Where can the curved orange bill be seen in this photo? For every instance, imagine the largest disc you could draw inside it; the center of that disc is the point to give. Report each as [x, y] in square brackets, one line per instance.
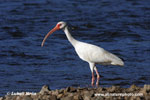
[48, 34]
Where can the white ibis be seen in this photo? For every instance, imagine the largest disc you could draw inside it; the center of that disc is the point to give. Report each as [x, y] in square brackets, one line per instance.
[88, 52]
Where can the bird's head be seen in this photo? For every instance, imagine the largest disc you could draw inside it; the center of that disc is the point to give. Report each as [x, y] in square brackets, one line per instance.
[59, 25]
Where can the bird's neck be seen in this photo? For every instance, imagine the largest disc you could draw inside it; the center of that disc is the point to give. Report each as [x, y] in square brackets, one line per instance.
[69, 36]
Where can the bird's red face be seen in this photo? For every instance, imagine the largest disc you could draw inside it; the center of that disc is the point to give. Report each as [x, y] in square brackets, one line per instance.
[57, 27]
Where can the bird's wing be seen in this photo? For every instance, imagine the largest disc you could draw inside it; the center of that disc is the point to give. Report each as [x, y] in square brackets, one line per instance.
[89, 52]
[99, 55]
[95, 54]
[114, 59]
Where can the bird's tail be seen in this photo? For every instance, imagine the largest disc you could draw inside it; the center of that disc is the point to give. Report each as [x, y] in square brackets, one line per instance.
[118, 62]
[115, 60]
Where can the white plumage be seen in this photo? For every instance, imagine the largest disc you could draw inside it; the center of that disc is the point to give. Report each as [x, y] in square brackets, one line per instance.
[94, 54]
[88, 52]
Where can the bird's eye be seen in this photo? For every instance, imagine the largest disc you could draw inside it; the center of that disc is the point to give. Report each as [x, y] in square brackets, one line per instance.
[59, 25]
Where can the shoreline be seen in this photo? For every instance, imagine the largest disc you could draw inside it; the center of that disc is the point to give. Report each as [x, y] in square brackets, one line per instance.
[71, 93]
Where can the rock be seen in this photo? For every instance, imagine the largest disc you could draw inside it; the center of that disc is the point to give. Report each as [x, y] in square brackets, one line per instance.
[114, 89]
[1, 98]
[18, 98]
[45, 97]
[49, 97]
[88, 93]
[79, 89]
[27, 98]
[119, 98]
[61, 91]
[147, 97]
[127, 98]
[87, 97]
[53, 97]
[133, 88]
[99, 98]
[147, 88]
[67, 98]
[142, 98]
[33, 97]
[45, 89]
[70, 94]
[56, 92]
[99, 89]
[71, 89]
[77, 97]
[135, 98]
[138, 98]
[92, 93]
[39, 96]
[9, 97]
[59, 96]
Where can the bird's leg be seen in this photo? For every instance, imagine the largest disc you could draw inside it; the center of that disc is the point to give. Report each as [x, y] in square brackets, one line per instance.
[92, 70]
[98, 76]
[93, 79]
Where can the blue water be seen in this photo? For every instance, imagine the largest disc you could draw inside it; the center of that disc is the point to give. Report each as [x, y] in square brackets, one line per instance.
[121, 27]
